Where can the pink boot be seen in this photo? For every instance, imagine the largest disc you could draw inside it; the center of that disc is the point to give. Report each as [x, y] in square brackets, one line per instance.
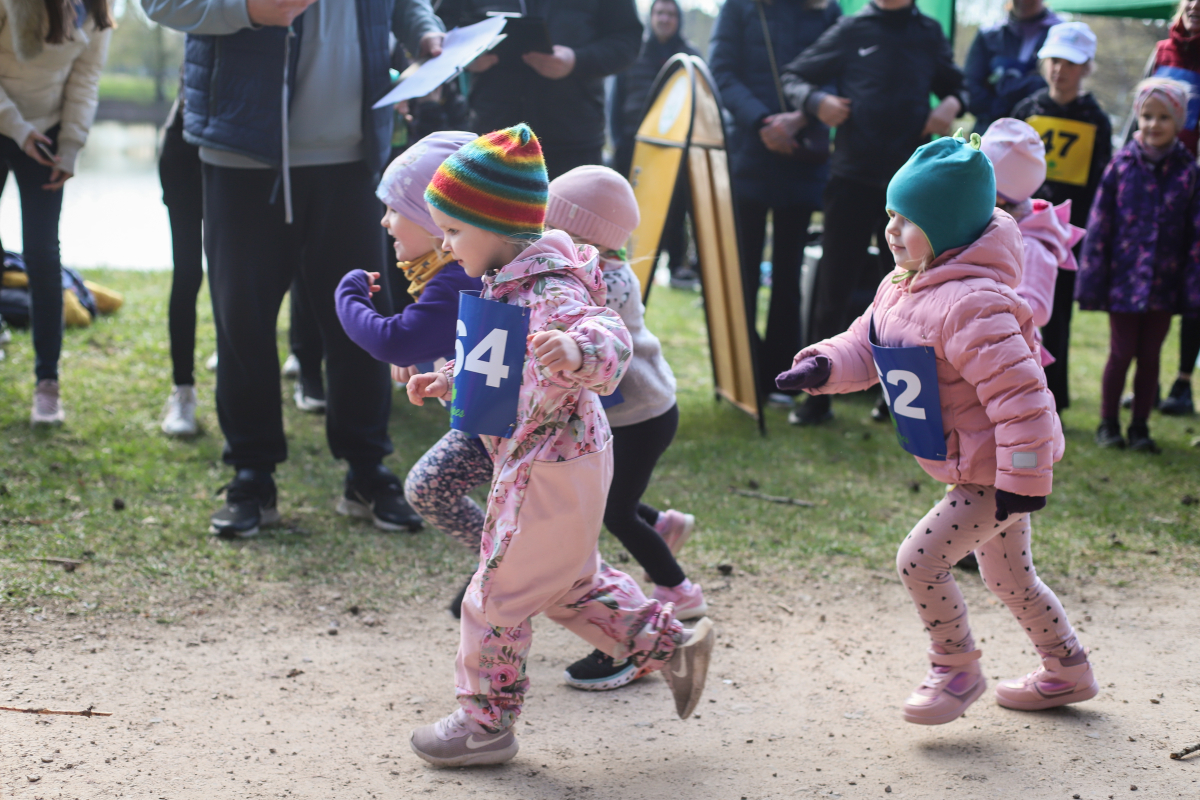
[1058, 682]
[953, 683]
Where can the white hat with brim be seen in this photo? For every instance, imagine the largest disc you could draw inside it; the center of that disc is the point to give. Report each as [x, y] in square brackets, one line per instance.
[1072, 41]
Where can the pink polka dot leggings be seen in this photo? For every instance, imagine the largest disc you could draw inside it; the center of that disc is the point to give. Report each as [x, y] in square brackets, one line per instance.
[962, 521]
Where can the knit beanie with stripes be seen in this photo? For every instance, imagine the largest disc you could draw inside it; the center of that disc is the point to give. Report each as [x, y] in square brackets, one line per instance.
[497, 182]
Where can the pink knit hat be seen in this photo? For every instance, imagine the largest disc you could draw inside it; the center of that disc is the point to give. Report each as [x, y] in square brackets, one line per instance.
[1172, 92]
[594, 203]
[1018, 156]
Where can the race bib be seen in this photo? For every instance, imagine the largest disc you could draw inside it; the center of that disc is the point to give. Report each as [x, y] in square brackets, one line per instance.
[489, 359]
[1069, 145]
[908, 377]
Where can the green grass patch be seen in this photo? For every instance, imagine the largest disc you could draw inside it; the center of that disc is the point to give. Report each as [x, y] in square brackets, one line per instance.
[1111, 512]
[133, 88]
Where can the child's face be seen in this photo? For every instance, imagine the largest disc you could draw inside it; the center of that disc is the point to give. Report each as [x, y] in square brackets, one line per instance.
[1064, 76]
[908, 243]
[412, 241]
[1156, 122]
[476, 249]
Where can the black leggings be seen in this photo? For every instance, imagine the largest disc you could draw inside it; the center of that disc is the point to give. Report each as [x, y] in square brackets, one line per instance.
[1189, 345]
[636, 450]
[183, 194]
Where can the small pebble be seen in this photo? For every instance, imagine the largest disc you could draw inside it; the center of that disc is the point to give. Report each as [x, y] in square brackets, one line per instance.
[332, 631]
[887, 789]
[118, 504]
[1132, 788]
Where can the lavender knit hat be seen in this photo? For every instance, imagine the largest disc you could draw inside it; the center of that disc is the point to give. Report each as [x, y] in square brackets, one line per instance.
[403, 184]
[595, 204]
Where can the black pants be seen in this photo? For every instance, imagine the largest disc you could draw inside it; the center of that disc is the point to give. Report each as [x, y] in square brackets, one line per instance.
[636, 450]
[854, 212]
[183, 194]
[565, 159]
[304, 336]
[1189, 344]
[790, 225]
[1056, 336]
[253, 257]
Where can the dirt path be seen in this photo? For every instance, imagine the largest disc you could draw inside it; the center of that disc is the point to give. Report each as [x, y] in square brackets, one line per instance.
[802, 701]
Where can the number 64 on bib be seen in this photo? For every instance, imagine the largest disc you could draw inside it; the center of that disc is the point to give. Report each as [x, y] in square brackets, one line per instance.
[489, 359]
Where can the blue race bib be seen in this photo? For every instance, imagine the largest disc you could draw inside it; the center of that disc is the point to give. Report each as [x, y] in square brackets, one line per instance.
[607, 401]
[489, 359]
[908, 377]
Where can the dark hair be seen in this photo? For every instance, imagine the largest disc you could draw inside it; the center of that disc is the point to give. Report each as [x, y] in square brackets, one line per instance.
[60, 15]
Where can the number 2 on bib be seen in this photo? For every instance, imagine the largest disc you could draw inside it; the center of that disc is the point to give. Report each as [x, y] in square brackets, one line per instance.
[912, 390]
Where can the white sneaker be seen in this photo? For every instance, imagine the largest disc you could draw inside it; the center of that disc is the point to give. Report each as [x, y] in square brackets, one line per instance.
[211, 364]
[5, 334]
[304, 402]
[47, 408]
[180, 418]
[291, 367]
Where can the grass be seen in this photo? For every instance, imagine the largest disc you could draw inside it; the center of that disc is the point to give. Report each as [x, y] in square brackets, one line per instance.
[133, 88]
[1112, 513]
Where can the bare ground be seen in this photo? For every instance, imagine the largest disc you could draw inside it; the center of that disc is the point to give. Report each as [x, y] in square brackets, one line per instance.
[253, 698]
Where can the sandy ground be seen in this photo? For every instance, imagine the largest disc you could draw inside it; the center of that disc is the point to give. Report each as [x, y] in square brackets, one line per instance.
[253, 698]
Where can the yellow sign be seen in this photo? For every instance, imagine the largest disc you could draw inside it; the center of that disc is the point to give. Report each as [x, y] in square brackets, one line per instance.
[1069, 146]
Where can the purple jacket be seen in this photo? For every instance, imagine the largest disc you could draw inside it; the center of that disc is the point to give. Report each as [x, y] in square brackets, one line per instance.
[424, 331]
[1141, 252]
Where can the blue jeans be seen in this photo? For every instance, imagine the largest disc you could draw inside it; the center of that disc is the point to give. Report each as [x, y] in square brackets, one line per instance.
[40, 210]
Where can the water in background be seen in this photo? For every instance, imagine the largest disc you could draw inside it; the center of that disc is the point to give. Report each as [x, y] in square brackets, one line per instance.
[113, 214]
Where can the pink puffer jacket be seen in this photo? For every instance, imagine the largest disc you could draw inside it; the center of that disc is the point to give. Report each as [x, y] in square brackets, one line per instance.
[1049, 237]
[991, 386]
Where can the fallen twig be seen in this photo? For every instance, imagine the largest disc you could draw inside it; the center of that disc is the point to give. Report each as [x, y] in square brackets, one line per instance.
[87, 712]
[24, 521]
[1186, 751]
[785, 608]
[68, 564]
[770, 498]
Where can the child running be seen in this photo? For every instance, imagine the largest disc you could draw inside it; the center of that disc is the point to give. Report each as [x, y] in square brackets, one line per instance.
[1140, 259]
[596, 206]
[551, 478]
[1018, 156]
[423, 332]
[955, 346]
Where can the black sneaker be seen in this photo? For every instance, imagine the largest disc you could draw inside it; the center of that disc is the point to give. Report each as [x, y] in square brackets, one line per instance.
[598, 672]
[1139, 438]
[815, 410]
[249, 505]
[880, 412]
[455, 606]
[1179, 402]
[1109, 434]
[685, 278]
[378, 496]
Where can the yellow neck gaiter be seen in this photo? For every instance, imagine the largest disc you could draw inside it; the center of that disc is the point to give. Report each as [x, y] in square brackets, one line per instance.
[420, 271]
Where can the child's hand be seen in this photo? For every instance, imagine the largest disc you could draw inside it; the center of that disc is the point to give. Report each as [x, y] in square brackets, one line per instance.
[403, 374]
[371, 278]
[556, 351]
[427, 384]
[810, 372]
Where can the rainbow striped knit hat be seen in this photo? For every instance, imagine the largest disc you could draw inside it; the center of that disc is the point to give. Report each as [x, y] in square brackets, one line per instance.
[497, 182]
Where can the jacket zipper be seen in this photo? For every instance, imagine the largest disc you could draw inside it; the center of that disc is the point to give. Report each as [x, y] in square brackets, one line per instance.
[287, 175]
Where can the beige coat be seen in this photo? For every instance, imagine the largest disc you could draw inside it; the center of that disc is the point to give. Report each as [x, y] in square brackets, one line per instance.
[43, 85]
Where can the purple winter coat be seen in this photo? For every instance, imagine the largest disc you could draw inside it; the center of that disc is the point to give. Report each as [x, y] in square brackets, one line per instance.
[1141, 252]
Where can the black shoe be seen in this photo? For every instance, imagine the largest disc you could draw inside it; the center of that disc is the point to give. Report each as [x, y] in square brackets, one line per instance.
[598, 672]
[378, 495]
[1109, 434]
[249, 505]
[455, 606]
[1139, 438]
[685, 278]
[1179, 402]
[815, 410]
[880, 412]
[969, 562]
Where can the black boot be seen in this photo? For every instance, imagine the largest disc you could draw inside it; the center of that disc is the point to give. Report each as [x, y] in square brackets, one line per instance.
[1109, 434]
[815, 410]
[1179, 401]
[1139, 437]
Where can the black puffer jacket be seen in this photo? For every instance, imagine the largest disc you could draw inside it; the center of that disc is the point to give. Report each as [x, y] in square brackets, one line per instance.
[886, 63]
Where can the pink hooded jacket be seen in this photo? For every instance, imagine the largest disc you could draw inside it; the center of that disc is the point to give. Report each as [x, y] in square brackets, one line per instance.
[1049, 237]
[992, 389]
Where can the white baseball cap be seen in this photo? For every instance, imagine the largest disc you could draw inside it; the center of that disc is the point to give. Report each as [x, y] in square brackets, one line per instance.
[1073, 41]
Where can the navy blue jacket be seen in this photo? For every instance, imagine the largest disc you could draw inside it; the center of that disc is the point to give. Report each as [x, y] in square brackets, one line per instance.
[740, 66]
[997, 78]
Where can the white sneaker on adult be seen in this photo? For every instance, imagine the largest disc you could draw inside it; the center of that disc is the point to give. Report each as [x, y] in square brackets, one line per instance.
[211, 364]
[47, 407]
[306, 402]
[291, 366]
[180, 416]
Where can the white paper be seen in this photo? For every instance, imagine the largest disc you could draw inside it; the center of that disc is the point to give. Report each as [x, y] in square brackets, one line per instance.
[460, 48]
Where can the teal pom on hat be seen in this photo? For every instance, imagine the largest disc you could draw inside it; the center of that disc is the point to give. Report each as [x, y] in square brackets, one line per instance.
[948, 190]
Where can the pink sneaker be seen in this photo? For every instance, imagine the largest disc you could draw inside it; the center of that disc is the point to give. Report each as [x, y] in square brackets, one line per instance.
[675, 527]
[953, 683]
[687, 597]
[1058, 682]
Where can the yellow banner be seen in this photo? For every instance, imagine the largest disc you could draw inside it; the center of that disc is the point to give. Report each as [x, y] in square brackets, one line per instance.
[1069, 146]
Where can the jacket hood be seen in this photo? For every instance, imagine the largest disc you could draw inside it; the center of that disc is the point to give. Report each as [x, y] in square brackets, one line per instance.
[998, 254]
[554, 252]
[1051, 225]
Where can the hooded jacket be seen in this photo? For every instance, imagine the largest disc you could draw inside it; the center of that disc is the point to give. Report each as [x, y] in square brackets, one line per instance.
[992, 389]
[997, 76]
[1049, 236]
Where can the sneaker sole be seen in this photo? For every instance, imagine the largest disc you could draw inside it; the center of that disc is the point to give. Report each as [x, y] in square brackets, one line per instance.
[970, 698]
[310, 406]
[353, 508]
[470, 759]
[1077, 696]
[623, 678]
[803, 422]
[180, 433]
[46, 423]
[270, 517]
[703, 638]
[695, 612]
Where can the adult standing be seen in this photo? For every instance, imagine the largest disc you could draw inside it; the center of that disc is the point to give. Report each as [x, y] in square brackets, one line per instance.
[1064, 107]
[884, 62]
[559, 94]
[51, 55]
[769, 173]
[286, 198]
[1002, 64]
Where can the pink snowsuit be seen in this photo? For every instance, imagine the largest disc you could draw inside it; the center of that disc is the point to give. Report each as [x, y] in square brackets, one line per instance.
[539, 548]
[995, 409]
[1049, 237]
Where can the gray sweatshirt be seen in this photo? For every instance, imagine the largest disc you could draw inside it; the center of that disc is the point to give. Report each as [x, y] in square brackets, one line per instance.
[649, 385]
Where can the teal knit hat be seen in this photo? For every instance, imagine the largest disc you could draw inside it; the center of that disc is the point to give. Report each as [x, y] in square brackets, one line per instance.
[948, 190]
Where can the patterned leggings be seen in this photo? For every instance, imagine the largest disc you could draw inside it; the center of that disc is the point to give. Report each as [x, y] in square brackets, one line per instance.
[962, 521]
[437, 487]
